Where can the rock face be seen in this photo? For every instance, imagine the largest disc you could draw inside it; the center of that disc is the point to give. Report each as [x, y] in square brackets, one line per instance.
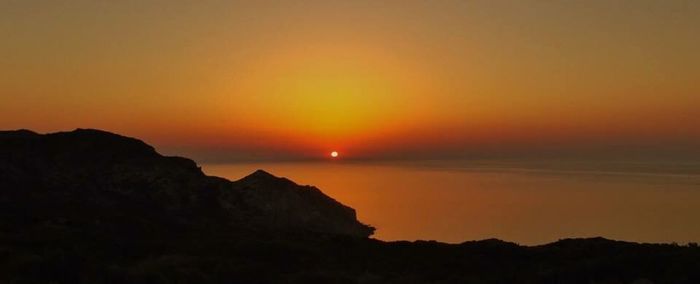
[87, 178]
[281, 202]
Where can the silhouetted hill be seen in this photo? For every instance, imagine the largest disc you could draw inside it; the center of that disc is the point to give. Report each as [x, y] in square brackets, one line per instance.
[104, 174]
[89, 206]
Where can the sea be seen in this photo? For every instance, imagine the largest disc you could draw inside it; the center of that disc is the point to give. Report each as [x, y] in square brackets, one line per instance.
[528, 203]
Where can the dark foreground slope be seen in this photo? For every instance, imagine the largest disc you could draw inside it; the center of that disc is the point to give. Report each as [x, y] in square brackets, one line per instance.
[93, 207]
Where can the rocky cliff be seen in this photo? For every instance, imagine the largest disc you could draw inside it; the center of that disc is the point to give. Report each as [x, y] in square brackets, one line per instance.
[88, 177]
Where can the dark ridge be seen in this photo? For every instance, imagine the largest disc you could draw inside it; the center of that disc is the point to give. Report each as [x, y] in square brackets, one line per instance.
[20, 133]
[261, 176]
[101, 142]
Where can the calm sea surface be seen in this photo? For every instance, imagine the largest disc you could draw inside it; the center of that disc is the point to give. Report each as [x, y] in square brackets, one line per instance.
[531, 204]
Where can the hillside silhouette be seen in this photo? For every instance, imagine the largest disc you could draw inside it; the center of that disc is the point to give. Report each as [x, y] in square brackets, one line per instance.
[89, 206]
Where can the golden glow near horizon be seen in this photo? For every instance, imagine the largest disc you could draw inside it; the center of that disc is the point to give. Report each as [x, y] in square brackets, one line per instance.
[334, 154]
[292, 79]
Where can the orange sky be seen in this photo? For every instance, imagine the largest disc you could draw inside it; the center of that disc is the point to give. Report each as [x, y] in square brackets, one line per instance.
[222, 80]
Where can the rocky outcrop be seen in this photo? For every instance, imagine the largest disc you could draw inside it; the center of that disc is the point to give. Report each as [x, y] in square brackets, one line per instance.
[88, 177]
[282, 202]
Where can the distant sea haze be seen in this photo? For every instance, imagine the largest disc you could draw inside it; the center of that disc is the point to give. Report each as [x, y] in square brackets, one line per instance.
[639, 168]
[529, 202]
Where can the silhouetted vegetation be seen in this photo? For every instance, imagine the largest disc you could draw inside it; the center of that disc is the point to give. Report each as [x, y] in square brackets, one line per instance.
[93, 207]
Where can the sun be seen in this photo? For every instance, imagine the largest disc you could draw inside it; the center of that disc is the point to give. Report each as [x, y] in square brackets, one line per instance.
[334, 154]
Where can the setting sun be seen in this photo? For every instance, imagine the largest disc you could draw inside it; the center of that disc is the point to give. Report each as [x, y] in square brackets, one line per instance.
[543, 141]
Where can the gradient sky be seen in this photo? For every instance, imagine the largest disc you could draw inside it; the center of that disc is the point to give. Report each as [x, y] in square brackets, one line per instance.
[227, 80]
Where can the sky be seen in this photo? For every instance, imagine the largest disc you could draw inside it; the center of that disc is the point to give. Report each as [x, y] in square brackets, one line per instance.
[289, 80]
